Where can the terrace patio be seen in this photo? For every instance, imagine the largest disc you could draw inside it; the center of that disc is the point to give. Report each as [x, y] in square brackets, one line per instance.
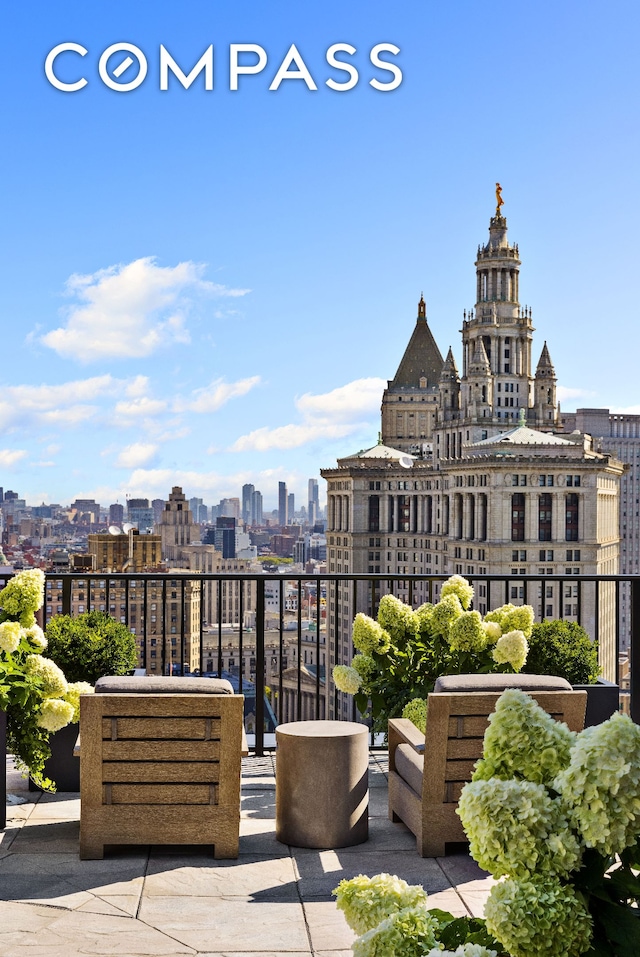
[173, 901]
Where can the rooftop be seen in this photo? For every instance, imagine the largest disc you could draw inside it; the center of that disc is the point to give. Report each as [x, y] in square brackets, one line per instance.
[173, 901]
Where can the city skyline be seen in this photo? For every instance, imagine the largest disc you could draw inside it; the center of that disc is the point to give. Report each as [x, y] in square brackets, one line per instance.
[211, 288]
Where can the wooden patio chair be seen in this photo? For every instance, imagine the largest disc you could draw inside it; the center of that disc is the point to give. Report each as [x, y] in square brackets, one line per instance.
[427, 772]
[160, 764]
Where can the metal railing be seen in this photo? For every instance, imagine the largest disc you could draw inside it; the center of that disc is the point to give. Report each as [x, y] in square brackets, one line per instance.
[158, 606]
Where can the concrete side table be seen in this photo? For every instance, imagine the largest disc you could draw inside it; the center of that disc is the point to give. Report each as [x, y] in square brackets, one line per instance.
[322, 788]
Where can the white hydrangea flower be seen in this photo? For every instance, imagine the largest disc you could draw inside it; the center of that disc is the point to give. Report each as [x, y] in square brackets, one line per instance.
[10, 634]
[346, 679]
[366, 901]
[36, 636]
[54, 683]
[55, 714]
[511, 649]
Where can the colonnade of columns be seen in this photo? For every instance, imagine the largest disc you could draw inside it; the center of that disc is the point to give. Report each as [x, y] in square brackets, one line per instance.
[498, 284]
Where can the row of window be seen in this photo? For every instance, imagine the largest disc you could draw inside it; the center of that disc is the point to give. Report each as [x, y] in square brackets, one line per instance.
[545, 517]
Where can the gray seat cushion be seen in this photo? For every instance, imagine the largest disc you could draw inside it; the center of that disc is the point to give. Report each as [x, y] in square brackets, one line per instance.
[157, 684]
[501, 682]
[410, 767]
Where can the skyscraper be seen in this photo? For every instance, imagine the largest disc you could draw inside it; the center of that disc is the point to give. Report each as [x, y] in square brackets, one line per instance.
[282, 504]
[313, 501]
[247, 492]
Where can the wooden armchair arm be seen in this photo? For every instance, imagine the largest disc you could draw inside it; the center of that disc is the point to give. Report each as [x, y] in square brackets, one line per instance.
[403, 731]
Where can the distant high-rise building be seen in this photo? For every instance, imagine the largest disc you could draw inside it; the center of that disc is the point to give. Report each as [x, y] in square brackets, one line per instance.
[229, 508]
[225, 536]
[313, 502]
[282, 504]
[116, 514]
[247, 492]
[176, 526]
[256, 508]
[140, 514]
[157, 505]
[291, 507]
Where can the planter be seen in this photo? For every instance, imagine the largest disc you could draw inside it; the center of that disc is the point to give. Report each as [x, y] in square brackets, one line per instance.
[62, 767]
[603, 700]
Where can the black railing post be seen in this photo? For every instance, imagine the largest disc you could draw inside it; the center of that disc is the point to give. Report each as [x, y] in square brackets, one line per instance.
[260, 667]
[67, 581]
[634, 650]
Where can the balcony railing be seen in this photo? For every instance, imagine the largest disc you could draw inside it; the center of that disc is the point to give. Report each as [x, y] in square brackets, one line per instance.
[274, 635]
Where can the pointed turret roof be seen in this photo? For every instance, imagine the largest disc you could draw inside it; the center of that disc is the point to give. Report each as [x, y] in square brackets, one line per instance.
[449, 369]
[545, 365]
[479, 361]
[521, 435]
[421, 359]
[381, 451]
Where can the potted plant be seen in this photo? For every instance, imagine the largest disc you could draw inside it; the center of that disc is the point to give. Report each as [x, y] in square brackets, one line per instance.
[401, 655]
[564, 648]
[34, 693]
[86, 647]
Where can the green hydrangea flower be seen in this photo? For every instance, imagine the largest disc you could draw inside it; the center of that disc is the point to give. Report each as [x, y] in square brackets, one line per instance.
[538, 919]
[513, 618]
[369, 637]
[407, 933]
[466, 633]
[492, 630]
[511, 649]
[460, 587]
[601, 785]
[74, 690]
[54, 683]
[54, 714]
[516, 828]
[366, 901]
[523, 741]
[424, 619]
[346, 679]
[10, 634]
[396, 618]
[36, 637]
[416, 711]
[23, 594]
[366, 667]
[445, 613]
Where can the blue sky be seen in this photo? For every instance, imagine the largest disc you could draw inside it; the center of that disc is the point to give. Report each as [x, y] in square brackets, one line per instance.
[207, 288]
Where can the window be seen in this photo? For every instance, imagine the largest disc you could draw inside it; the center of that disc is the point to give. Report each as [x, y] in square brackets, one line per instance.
[544, 517]
[374, 513]
[573, 481]
[571, 517]
[517, 517]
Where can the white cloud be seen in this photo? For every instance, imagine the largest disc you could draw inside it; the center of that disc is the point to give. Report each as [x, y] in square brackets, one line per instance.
[626, 410]
[136, 455]
[212, 397]
[328, 415]
[566, 394]
[139, 408]
[65, 405]
[130, 310]
[348, 403]
[289, 436]
[9, 457]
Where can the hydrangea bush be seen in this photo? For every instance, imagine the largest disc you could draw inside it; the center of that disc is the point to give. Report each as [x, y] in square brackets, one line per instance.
[558, 815]
[33, 690]
[393, 920]
[401, 655]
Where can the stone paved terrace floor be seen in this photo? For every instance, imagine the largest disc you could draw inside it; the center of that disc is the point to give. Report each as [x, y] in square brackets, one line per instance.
[173, 901]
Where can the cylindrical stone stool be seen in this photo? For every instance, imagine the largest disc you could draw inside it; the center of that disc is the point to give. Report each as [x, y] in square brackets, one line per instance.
[322, 788]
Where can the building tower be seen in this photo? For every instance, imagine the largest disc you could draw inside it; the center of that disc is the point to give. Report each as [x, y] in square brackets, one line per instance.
[410, 401]
[282, 504]
[247, 492]
[313, 501]
[176, 525]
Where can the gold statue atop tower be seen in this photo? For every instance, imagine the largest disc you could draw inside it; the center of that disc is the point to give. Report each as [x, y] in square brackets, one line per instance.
[499, 199]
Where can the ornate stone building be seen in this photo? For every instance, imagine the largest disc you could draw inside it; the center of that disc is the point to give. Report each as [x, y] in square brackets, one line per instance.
[470, 477]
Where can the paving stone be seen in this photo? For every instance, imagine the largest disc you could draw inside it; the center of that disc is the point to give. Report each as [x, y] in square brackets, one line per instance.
[327, 927]
[52, 837]
[316, 882]
[258, 836]
[229, 924]
[258, 804]
[248, 877]
[63, 877]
